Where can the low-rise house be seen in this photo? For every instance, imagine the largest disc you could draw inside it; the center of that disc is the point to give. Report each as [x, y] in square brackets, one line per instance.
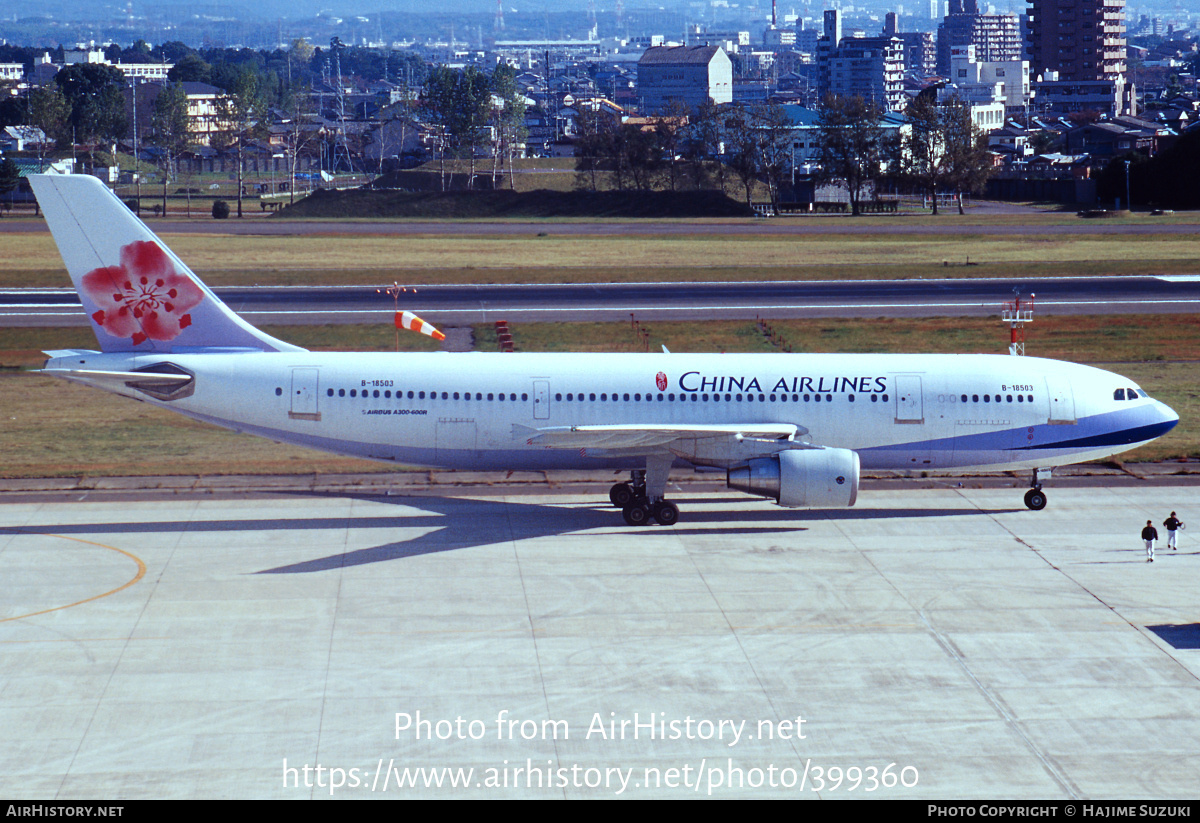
[1107, 139]
[23, 138]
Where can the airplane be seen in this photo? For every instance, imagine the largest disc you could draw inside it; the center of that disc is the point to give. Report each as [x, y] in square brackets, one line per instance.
[795, 428]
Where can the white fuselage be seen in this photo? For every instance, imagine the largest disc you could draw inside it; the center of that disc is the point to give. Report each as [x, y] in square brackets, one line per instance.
[474, 410]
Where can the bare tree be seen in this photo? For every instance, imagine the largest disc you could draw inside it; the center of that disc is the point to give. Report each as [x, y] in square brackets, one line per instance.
[944, 151]
[508, 120]
[302, 134]
[170, 131]
[593, 145]
[670, 130]
[742, 149]
[773, 132]
[706, 134]
[241, 118]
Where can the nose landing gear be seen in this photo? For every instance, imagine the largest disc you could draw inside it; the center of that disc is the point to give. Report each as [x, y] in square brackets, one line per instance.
[1035, 498]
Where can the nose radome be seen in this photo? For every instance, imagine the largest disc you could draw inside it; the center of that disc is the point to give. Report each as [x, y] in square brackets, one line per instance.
[1169, 415]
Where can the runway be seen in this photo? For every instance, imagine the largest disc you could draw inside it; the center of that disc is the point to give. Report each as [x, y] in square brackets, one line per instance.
[466, 304]
[920, 224]
[946, 641]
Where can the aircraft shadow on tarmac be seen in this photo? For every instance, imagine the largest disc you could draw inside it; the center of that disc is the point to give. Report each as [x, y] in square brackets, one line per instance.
[463, 524]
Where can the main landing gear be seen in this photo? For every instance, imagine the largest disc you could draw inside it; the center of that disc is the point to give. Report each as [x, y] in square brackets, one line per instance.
[641, 500]
[1035, 498]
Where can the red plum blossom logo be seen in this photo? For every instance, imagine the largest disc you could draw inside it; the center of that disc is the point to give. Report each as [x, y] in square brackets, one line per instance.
[144, 298]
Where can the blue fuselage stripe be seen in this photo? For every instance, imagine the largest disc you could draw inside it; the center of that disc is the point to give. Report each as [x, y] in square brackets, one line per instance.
[1117, 437]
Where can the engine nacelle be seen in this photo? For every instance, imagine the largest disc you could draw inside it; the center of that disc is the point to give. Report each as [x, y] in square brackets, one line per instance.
[801, 478]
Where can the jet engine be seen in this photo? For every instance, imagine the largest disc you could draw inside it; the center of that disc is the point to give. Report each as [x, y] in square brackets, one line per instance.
[801, 478]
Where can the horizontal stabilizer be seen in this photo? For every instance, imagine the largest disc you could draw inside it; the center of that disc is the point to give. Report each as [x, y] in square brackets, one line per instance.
[157, 384]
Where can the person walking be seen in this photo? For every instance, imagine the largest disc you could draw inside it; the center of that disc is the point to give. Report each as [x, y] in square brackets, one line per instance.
[1149, 535]
[1173, 525]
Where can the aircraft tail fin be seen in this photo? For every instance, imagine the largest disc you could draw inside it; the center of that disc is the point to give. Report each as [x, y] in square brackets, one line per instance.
[138, 296]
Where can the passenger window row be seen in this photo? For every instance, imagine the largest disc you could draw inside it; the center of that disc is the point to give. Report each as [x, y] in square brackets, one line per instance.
[592, 397]
[604, 397]
[386, 394]
[413, 394]
[995, 398]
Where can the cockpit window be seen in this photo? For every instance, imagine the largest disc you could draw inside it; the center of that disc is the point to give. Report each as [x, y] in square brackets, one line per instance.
[1119, 394]
[1136, 393]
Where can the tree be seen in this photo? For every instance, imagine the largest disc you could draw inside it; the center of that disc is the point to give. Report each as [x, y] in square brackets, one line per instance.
[472, 109]
[96, 95]
[437, 100]
[669, 131]
[1167, 180]
[300, 55]
[967, 157]
[302, 134]
[758, 147]
[773, 131]
[741, 149]
[944, 151]
[1126, 172]
[13, 109]
[49, 111]
[173, 51]
[850, 144]
[459, 103]
[170, 131]
[241, 115]
[10, 177]
[508, 119]
[636, 157]
[190, 69]
[593, 145]
[706, 133]
[923, 157]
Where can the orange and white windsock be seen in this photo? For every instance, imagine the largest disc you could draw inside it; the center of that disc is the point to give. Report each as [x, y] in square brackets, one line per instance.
[408, 320]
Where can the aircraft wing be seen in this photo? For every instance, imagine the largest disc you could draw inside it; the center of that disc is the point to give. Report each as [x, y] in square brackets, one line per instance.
[703, 444]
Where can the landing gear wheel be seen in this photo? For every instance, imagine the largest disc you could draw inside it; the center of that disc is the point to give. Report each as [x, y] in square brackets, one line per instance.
[636, 514]
[666, 513]
[621, 495]
[1035, 499]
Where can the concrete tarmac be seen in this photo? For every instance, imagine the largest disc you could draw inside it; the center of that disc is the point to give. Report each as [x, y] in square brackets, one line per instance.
[929, 643]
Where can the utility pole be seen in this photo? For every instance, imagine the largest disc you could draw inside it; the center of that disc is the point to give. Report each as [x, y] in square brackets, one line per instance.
[1128, 202]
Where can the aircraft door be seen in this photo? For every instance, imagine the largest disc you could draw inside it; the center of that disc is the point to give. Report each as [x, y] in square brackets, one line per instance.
[304, 395]
[910, 406]
[541, 399]
[1062, 401]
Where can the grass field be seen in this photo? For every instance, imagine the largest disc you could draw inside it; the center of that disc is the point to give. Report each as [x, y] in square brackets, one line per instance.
[31, 259]
[53, 428]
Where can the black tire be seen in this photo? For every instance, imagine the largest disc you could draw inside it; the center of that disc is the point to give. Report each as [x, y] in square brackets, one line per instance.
[636, 514]
[666, 513]
[1035, 499]
[621, 495]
